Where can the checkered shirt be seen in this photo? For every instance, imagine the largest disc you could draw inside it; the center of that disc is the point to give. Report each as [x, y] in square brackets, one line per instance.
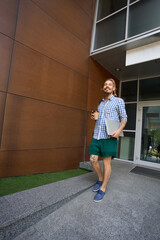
[114, 109]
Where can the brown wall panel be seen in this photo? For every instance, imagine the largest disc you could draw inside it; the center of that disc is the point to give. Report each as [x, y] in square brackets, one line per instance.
[100, 74]
[31, 124]
[51, 80]
[39, 31]
[90, 128]
[37, 76]
[5, 58]
[72, 17]
[95, 94]
[2, 104]
[87, 6]
[8, 15]
[97, 72]
[87, 156]
[15, 163]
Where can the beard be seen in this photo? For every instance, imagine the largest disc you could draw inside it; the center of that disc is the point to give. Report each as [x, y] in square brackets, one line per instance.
[108, 92]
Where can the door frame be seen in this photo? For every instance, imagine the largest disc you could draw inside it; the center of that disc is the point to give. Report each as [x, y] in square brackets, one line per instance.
[139, 119]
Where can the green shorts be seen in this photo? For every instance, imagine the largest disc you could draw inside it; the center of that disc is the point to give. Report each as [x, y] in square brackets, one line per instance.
[103, 147]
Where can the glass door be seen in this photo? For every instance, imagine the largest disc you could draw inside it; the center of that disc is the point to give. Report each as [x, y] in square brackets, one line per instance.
[148, 135]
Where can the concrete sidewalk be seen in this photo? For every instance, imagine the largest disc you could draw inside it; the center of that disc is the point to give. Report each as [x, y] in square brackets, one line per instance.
[129, 210]
[23, 209]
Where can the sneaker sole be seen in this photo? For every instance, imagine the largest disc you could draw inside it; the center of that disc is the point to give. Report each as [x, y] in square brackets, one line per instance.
[96, 190]
[97, 200]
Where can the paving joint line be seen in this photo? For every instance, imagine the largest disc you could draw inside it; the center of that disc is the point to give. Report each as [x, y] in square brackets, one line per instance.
[18, 226]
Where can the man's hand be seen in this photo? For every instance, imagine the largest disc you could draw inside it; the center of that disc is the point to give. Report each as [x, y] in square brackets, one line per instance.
[116, 133]
[92, 116]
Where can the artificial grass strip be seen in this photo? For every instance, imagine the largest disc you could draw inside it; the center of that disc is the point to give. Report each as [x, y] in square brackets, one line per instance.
[11, 185]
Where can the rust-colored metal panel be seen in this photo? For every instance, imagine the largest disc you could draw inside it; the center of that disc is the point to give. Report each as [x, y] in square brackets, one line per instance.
[16, 163]
[2, 104]
[8, 15]
[97, 72]
[5, 59]
[37, 76]
[95, 94]
[70, 16]
[87, 156]
[87, 6]
[90, 129]
[43, 34]
[100, 74]
[33, 124]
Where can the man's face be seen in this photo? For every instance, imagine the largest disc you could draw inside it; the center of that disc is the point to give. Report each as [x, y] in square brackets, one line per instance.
[108, 87]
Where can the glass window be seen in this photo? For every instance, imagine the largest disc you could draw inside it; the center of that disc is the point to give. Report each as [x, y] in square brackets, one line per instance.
[108, 7]
[143, 16]
[126, 146]
[129, 91]
[150, 147]
[131, 113]
[110, 30]
[149, 89]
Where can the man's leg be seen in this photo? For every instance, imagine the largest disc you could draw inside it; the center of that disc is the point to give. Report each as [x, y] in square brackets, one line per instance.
[106, 175]
[96, 165]
[106, 172]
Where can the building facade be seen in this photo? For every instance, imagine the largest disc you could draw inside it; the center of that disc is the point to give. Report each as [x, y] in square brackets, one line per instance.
[55, 57]
[48, 84]
[126, 41]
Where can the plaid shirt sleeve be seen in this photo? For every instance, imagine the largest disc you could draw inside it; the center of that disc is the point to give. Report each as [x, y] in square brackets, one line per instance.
[122, 110]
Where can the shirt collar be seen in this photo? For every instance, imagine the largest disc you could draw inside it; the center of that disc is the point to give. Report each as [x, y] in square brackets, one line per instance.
[111, 98]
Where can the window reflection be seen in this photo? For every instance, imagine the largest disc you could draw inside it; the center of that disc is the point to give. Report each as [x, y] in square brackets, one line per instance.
[138, 22]
[126, 146]
[129, 91]
[110, 30]
[108, 7]
[131, 113]
[149, 89]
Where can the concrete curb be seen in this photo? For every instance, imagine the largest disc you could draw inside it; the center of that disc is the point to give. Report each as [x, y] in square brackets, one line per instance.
[24, 209]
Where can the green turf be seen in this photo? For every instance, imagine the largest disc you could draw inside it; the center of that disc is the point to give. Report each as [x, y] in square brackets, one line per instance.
[17, 184]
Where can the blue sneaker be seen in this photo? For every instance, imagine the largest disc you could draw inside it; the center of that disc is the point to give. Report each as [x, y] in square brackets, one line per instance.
[97, 186]
[99, 196]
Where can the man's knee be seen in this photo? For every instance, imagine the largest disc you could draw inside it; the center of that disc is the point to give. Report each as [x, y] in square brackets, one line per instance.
[107, 160]
[94, 158]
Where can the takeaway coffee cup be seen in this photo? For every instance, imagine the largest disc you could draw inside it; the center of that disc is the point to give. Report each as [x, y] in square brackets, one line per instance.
[96, 114]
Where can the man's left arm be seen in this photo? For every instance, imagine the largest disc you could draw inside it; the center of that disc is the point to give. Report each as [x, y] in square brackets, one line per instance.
[123, 117]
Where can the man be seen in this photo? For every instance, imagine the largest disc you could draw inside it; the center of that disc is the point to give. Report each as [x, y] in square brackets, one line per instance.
[102, 144]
